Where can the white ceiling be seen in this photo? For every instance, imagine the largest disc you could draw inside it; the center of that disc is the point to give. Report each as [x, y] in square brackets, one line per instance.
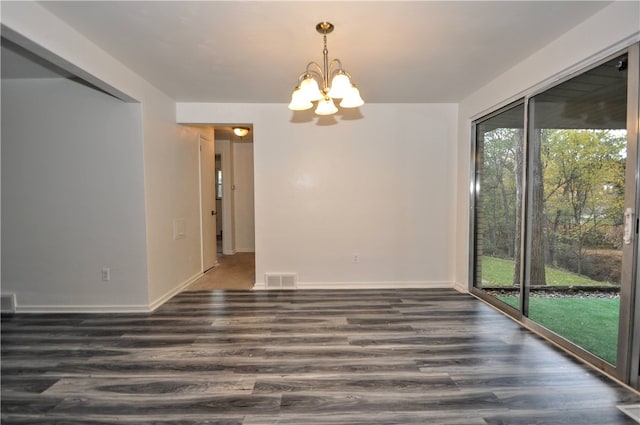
[253, 51]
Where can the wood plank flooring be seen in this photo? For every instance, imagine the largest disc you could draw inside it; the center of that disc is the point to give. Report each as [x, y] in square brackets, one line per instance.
[305, 357]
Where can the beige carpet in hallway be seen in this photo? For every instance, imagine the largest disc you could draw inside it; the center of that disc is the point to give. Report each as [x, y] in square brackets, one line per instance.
[233, 272]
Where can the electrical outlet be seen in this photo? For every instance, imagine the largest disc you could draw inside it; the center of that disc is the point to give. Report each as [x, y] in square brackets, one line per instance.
[106, 274]
[355, 259]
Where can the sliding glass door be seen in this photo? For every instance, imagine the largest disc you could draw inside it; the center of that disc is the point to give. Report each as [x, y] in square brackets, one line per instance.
[577, 166]
[555, 223]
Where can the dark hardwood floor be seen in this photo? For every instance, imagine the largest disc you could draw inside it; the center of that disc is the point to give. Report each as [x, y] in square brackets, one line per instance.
[306, 357]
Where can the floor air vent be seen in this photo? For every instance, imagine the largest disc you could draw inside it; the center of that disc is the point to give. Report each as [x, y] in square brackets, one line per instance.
[280, 280]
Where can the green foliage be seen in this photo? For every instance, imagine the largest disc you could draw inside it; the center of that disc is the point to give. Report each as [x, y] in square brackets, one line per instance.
[498, 189]
[591, 323]
[583, 183]
[499, 272]
[583, 179]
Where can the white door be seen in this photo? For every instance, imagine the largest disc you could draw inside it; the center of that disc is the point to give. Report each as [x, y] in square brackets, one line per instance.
[208, 202]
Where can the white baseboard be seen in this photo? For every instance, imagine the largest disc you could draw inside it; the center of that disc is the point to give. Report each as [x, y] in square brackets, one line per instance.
[168, 295]
[9, 302]
[259, 286]
[460, 288]
[245, 249]
[33, 308]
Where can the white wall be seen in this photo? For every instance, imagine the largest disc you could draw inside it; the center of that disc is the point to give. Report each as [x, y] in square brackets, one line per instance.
[170, 151]
[613, 28]
[243, 197]
[382, 187]
[171, 193]
[72, 198]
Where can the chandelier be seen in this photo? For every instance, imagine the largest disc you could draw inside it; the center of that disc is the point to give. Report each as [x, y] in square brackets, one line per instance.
[313, 84]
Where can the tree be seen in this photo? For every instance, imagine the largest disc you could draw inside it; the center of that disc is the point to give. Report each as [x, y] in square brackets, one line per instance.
[583, 187]
[537, 264]
[518, 170]
[498, 192]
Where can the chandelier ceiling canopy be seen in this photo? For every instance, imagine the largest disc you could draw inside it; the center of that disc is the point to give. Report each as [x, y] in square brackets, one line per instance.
[313, 84]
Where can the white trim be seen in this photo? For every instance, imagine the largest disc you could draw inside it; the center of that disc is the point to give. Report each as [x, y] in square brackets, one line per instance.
[260, 286]
[167, 296]
[200, 138]
[460, 287]
[34, 308]
[9, 302]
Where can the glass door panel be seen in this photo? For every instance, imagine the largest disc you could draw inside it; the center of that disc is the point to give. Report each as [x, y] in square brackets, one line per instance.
[498, 205]
[578, 176]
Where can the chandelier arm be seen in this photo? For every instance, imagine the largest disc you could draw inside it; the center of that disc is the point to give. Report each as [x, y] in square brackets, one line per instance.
[333, 71]
[332, 68]
[333, 63]
[347, 74]
[313, 74]
[301, 77]
[318, 69]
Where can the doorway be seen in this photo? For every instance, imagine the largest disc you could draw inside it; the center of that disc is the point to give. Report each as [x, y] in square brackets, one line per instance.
[232, 174]
[236, 190]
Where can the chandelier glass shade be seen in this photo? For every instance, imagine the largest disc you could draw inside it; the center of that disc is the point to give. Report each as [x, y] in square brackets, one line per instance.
[313, 84]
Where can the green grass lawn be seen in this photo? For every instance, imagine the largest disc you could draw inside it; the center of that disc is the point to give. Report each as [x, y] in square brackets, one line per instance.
[499, 272]
[591, 323]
